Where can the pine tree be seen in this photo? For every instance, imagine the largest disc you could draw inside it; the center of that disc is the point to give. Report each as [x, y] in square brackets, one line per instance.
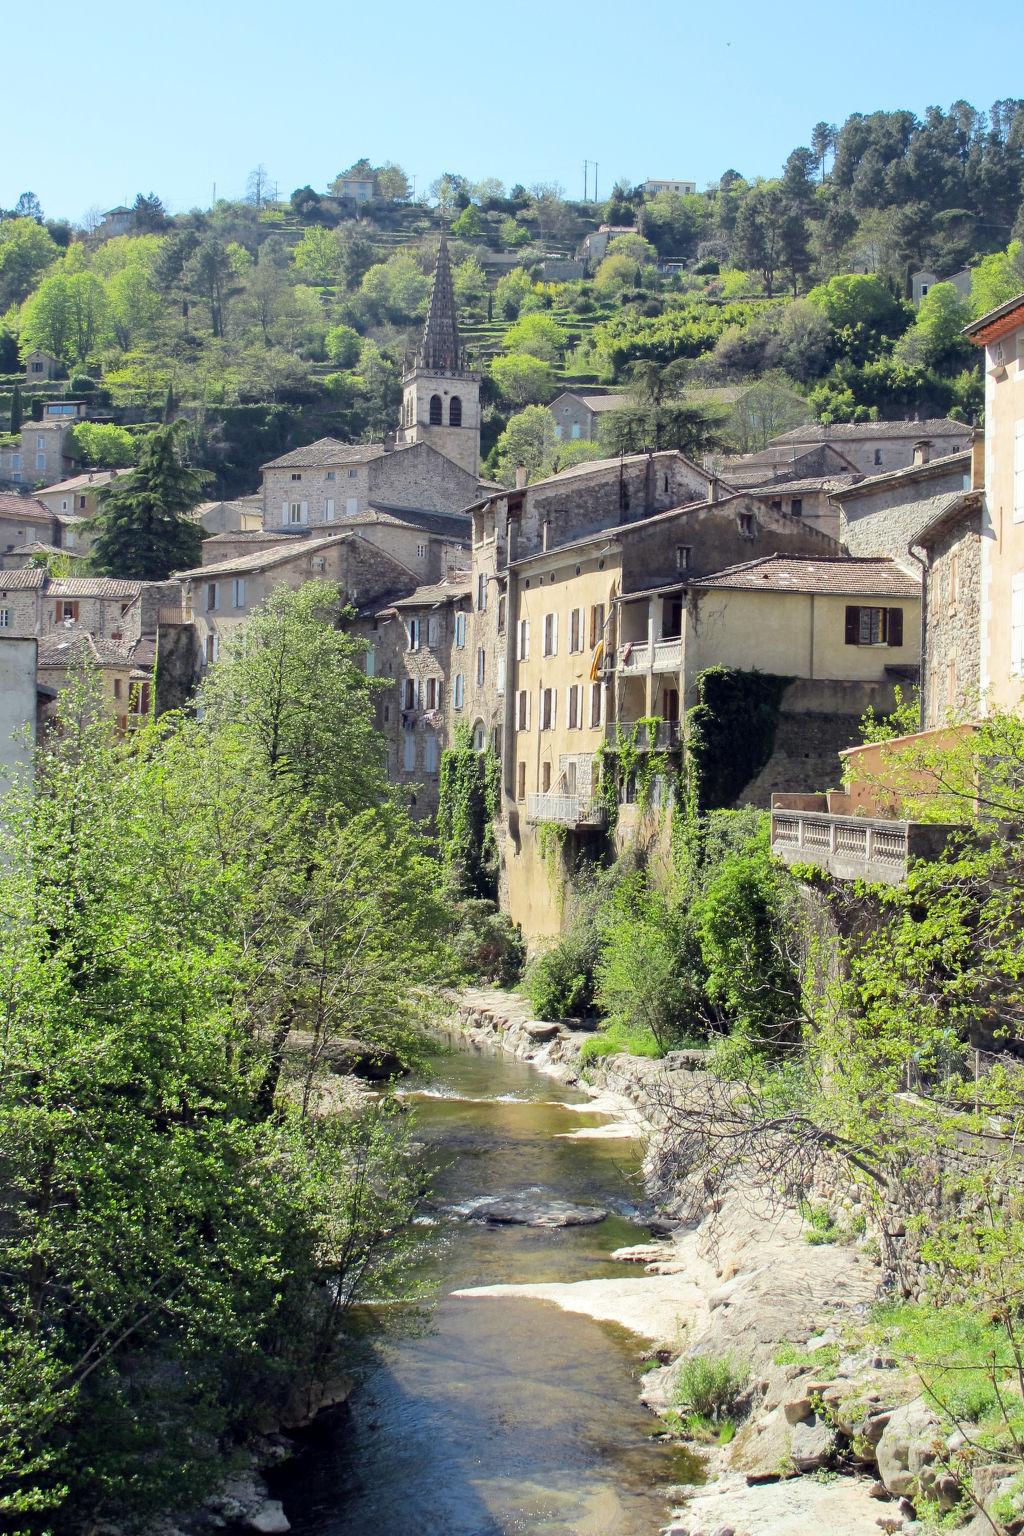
[16, 409]
[142, 533]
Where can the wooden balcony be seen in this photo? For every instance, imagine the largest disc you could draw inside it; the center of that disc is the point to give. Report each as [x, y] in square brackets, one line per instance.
[566, 809]
[854, 847]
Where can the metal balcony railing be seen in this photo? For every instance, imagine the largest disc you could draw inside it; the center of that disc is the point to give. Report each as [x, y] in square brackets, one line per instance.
[666, 734]
[565, 809]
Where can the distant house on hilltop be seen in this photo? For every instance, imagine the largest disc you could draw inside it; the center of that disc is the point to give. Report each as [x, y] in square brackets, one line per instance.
[920, 282]
[579, 415]
[40, 367]
[361, 189]
[595, 245]
[680, 188]
[117, 221]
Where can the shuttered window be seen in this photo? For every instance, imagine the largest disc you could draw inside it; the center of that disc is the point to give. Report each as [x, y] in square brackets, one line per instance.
[874, 626]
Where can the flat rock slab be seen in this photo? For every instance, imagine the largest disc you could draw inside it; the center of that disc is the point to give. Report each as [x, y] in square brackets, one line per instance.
[802, 1507]
[541, 1029]
[532, 1213]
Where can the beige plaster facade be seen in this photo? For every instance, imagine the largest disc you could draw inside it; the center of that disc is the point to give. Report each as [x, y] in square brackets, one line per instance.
[1001, 667]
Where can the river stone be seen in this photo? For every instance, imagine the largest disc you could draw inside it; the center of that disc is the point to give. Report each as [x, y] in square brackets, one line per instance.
[541, 1029]
[909, 1428]
[523, 1212]
[270, 1519]
[359, 1058]
[811, 1445]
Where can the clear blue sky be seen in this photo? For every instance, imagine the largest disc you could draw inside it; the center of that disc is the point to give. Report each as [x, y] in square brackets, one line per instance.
[174, 98]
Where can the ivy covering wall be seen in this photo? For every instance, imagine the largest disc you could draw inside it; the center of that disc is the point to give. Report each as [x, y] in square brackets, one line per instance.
[730, 734]
[468, 803]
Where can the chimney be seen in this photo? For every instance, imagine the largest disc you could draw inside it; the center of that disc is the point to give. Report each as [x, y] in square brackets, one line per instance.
[922, 451]
[978, 460]
[521, 477]
[714, 488]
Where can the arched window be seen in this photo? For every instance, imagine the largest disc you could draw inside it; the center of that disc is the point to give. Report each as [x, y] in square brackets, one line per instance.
[479, 737]
[455, 412]
[436, 411]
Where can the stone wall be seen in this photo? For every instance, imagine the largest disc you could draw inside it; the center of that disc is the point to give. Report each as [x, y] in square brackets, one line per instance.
[952, 659]
[178, 665]
[817, 721]
[421, 476]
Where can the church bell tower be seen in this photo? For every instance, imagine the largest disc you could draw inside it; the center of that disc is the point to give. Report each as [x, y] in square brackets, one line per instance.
[440, 391]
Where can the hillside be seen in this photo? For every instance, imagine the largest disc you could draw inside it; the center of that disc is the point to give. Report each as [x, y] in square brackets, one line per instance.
[267, 323]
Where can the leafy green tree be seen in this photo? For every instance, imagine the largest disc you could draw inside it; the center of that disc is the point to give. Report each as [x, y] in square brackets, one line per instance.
[26, 250]
[103, 443]
[343, 345]
[393, 184]
[512, 234]
[134, 306]
[398, 289]
[149, 214]
[469, 225]
[997, 278]
[208, 274]
[511, 291]
[528, 441]
[317, 255]
[142, 531]
[823, 141]
[862, 313]
[760, 240]
[538, 334]
[936, 337]
[615, 273]
[522, 379]
[16, 409]
[675, 225]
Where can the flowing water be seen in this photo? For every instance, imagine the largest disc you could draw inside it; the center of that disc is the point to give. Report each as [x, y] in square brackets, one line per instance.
[501, 1416]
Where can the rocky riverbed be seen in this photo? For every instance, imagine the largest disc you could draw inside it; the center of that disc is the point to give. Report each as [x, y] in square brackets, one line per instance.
[846, 1447]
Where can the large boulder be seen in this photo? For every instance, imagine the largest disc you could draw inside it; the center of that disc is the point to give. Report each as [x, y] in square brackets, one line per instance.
[361, 1058]
[909, 1442]
[522, 1211]
[762, 1449]
[811, 1444]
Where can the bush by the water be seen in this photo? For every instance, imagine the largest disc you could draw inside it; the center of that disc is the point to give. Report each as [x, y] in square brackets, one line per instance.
[487, 945]
[711, 1386]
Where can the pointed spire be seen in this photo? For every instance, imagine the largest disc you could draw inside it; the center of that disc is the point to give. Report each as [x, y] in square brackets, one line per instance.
[441, 348]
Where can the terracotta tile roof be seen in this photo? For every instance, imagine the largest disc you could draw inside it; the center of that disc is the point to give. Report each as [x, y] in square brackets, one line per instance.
[63, 650]
[941, 466]
[92, 480]
[92, 586]
[262, 559]
[598, 403]
[450, 524]
[28, 579]
[24, 507]
[1003, 318]
[868, 431]
[777, 488]
[325, 452]
[433, 594]
[253, 535]
[846, 576]
[33, 547]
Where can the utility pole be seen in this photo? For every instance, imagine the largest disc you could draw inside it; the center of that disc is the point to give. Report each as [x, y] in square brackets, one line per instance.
[595, 181]
[585, 165]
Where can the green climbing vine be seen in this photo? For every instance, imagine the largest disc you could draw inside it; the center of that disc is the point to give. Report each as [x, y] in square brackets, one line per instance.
[469, 798]
[551, 838]
[633, 754]
[730, 734]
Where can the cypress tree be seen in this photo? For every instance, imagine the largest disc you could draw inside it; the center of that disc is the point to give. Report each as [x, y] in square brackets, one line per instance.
[16, 409]
[142, 531]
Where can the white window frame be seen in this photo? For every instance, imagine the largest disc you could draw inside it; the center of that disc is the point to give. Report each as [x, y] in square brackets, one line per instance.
[577, 629]
[523, 710]
[548, 709]
[329, 509]
[481, 666]
[238, 592]
[574, 707]
[596, 705]
[523, 641]
[550, 646]
[212, 596]
[409, 752]
[5, 618]
[412, 634]
[458, 690]
[431, 752]
[421, 551]
[499, 675]
[460, 631]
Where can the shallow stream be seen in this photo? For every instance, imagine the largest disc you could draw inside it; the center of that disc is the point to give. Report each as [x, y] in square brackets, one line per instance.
[500, 1416]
